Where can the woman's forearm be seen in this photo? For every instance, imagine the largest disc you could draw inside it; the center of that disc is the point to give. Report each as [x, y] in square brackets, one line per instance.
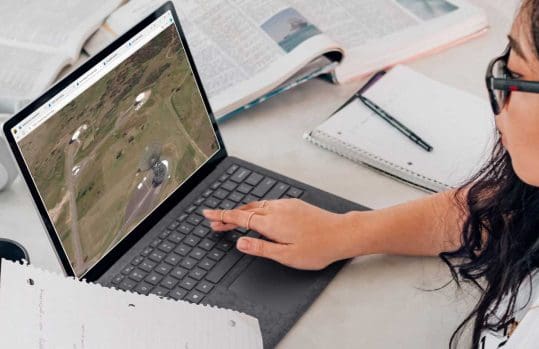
[423, 227]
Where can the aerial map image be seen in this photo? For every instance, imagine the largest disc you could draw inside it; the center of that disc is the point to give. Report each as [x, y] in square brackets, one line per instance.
[114, 153]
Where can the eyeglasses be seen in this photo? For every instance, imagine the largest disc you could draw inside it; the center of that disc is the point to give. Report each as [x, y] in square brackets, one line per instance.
[500, 82]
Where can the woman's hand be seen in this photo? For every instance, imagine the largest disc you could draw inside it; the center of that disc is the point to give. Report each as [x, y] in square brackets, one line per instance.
[301, 235]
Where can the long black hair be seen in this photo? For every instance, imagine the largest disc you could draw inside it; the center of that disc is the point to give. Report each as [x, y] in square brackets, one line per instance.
[500, 235]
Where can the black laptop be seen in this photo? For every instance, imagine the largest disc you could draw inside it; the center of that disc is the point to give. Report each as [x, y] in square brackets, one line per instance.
[122, 156]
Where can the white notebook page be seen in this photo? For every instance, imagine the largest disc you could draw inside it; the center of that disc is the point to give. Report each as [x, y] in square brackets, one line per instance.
[39, 309]
[459, 126]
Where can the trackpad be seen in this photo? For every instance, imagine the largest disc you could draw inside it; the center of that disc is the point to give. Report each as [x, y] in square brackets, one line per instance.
[271, 284]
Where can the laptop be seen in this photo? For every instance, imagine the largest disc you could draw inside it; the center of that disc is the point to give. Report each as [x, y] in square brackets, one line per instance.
[122, 156]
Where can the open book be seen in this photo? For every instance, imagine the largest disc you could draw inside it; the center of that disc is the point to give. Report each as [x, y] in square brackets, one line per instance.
[459, 126]
[248, 50]
[38, 39]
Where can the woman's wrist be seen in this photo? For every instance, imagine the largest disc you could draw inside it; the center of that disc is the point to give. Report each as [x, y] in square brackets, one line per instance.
[355, 229]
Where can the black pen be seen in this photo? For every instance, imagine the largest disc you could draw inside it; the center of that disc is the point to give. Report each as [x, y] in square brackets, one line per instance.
[395, 123]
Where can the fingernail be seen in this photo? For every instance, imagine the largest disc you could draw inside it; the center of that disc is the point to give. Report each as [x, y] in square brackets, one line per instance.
[243, 244]
[205, 211]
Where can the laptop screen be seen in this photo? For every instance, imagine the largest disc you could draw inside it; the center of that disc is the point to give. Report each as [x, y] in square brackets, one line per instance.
[115, 143]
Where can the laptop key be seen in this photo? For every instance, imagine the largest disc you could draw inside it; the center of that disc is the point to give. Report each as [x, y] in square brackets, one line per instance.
[204, 286]
[254, 179]
[117, 279]
[182, 250]
[191, 209]
[146, 252]
[197, 273]
[294, 192]
[194, 296]
[250, 198]
[173, 225]
[277, 191]
[185, 228]
[163, 269]
[173, 259]
[207, 193]
[206, 244]
[137, 275]
[224, 245]
[223, 177]
[176, 237]
[137, 260]
[244, 188]
[200, 200]
[143, 288]
[263, 187]
[211, 202]
[160, 291]
[191, 240]
[188, 283]
[229, 185]
[216, 255]
[215, 185]
[232, 236]
[206, 264]
[220, 194]
[194, 219]
[201, 231]
[128, 269]
[178, 293]
[155, 243]
[215, 236]
[179, 273]
[232, 169]
[182, 217]
[240, 175]
[166, 246]
[227, 205]
[221, 268]
[197, 253]
[157, 256]
[235, 196]
[188, 263]
[169, 282]
[147, 265]
[153, 278]
[127, 284]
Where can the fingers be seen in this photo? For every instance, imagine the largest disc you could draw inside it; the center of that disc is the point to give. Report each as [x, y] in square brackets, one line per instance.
[261, 248]
[232, 218]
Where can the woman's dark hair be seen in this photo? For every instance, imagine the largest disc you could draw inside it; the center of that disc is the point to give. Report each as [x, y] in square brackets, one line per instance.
[500, 235]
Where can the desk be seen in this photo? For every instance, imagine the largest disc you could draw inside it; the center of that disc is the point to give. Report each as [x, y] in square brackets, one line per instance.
[376, 301]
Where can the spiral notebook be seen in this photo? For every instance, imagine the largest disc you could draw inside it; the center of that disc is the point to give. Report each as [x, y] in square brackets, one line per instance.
[458, 125]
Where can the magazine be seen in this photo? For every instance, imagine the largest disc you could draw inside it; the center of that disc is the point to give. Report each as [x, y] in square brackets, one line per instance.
[247, 51]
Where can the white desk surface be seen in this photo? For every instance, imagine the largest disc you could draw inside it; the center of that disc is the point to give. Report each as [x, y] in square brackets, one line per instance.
[376, 301]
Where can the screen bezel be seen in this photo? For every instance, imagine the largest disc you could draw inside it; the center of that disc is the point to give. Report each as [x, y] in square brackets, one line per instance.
[159, 212]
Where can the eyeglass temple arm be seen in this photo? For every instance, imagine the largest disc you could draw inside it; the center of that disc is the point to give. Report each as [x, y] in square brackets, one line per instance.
[514, 85]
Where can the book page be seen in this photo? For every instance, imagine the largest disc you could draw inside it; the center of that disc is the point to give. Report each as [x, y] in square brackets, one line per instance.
[55, 24]
[380, 33]
[243, 48]
[39, 309]
[24, 73]
[39, 38]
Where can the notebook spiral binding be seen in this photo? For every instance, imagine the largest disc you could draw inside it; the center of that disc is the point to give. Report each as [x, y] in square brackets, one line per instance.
[363, 157]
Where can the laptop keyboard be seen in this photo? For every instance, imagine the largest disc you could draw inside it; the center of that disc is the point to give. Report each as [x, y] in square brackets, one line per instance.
[188, 259]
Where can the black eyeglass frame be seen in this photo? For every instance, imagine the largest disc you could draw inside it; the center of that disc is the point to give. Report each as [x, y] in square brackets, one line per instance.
[504, 84]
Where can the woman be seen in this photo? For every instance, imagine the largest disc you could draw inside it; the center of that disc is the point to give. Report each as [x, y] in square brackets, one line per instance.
[487, 231]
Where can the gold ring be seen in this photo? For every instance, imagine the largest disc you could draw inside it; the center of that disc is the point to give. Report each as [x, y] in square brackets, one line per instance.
[223, 216]
[247, 225]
